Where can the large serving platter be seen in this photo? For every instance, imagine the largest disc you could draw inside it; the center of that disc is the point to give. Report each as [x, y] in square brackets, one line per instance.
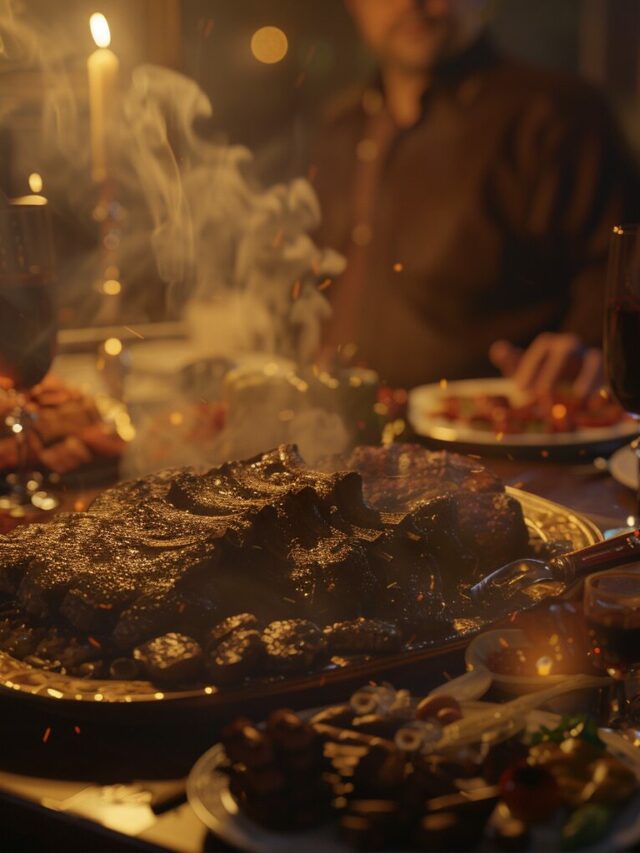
[425, 402]
[210, 798]
[547, 522]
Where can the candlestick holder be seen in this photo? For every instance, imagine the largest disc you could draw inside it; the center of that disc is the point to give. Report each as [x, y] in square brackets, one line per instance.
[108, 214]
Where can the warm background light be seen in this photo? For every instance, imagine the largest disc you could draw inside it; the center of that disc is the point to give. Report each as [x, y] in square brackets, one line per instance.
[111, 287]
[113, 346]
[100, 29]
[269, 45]
[35, 182]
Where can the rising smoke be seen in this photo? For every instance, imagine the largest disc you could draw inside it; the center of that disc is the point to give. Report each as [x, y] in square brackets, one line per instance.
[243, 249]
[237, 257]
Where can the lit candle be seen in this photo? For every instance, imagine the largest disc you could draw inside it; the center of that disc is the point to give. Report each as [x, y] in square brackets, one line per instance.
[103, 68]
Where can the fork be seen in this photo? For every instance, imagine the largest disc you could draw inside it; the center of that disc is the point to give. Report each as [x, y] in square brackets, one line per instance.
[513, 578]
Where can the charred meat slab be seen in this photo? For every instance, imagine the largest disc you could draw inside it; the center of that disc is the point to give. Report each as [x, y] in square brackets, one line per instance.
[380, 549]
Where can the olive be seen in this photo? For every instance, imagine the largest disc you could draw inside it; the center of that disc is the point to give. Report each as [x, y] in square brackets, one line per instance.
[446, 716]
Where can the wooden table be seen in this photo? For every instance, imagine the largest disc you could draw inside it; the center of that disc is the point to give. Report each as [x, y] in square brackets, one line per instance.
[38, 771]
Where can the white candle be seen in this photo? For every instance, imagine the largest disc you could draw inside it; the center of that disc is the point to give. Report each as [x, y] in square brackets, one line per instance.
[103, 67]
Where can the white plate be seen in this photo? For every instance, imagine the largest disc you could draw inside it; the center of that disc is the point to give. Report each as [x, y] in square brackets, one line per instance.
[481, 647]
[426, 401]
[623, 466]
[209, 796]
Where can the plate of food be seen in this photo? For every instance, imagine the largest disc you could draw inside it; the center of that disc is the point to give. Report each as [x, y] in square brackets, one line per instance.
[263, 578]
[492, 412]
[539, 648]
[71, 433]
[398, 778]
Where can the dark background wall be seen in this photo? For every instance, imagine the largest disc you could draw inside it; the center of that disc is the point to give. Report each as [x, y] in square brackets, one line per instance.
[270, 108]
[259, 104]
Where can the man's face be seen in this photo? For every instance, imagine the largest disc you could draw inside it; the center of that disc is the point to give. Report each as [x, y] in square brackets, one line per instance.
[417, 34]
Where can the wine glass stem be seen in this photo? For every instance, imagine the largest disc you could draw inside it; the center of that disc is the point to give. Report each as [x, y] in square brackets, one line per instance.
[22, 447]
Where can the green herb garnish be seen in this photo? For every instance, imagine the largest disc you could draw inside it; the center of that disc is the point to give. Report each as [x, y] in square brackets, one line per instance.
[579, 726]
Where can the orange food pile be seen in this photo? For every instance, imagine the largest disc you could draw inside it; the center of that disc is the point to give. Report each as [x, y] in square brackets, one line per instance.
[546, 413]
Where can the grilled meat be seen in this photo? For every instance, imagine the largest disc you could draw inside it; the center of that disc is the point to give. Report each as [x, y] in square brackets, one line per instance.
[176, 552]
[293, 645]
[170, 658]
[403, 475]
[363, 635]
[238, 656]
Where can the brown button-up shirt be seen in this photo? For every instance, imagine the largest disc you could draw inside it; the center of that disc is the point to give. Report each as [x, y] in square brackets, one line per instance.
[490, 218]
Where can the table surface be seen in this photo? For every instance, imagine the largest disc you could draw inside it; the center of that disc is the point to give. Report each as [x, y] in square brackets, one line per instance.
[129, 783]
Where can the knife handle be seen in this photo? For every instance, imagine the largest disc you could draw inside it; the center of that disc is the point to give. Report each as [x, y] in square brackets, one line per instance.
[604, 555]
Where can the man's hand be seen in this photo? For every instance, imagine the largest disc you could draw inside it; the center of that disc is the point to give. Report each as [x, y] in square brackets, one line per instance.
[552, 358]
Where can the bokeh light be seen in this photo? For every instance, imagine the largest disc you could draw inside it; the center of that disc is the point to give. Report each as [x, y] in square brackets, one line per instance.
[269, 45]
[113, 346]
[111, 287]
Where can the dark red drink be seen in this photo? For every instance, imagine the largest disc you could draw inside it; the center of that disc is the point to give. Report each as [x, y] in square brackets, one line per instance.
[27, 330]
[612, 608]
[623, 353]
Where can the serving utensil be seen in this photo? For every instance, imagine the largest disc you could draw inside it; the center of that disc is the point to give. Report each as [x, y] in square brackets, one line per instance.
[506, 582]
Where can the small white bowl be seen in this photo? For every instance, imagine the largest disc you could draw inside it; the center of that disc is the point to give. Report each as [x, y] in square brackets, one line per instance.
[481, 647]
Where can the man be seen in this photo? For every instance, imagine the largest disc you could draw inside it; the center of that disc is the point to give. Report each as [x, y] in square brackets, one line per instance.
[473, 197]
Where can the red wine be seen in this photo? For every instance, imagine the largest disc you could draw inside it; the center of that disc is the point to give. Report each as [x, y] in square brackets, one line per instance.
[622, 348]
[614, 646]
[27, 331]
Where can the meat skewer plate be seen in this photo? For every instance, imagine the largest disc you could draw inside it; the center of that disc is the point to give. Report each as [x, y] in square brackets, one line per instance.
[493, 413]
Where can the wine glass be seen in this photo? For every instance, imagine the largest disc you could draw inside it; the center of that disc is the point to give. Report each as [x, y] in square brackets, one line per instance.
[27, 334]
[622, 326]
[612, 612]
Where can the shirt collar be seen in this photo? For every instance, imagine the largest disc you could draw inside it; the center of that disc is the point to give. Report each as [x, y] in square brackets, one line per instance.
[459, 75]
[479, 55]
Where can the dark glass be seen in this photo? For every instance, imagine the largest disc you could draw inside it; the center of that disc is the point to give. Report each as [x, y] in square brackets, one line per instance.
[623, 353]
[615, 647]
[27, 334]
[622, 325]
[612, 612]
[27, 331]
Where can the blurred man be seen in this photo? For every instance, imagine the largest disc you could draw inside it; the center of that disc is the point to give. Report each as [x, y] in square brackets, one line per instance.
[473, 197]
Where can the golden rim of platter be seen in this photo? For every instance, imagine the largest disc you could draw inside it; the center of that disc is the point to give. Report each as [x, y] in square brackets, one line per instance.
[546, 520]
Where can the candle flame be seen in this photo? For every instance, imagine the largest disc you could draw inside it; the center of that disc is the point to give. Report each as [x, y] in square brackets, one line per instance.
[100, 29]
[35, 182]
